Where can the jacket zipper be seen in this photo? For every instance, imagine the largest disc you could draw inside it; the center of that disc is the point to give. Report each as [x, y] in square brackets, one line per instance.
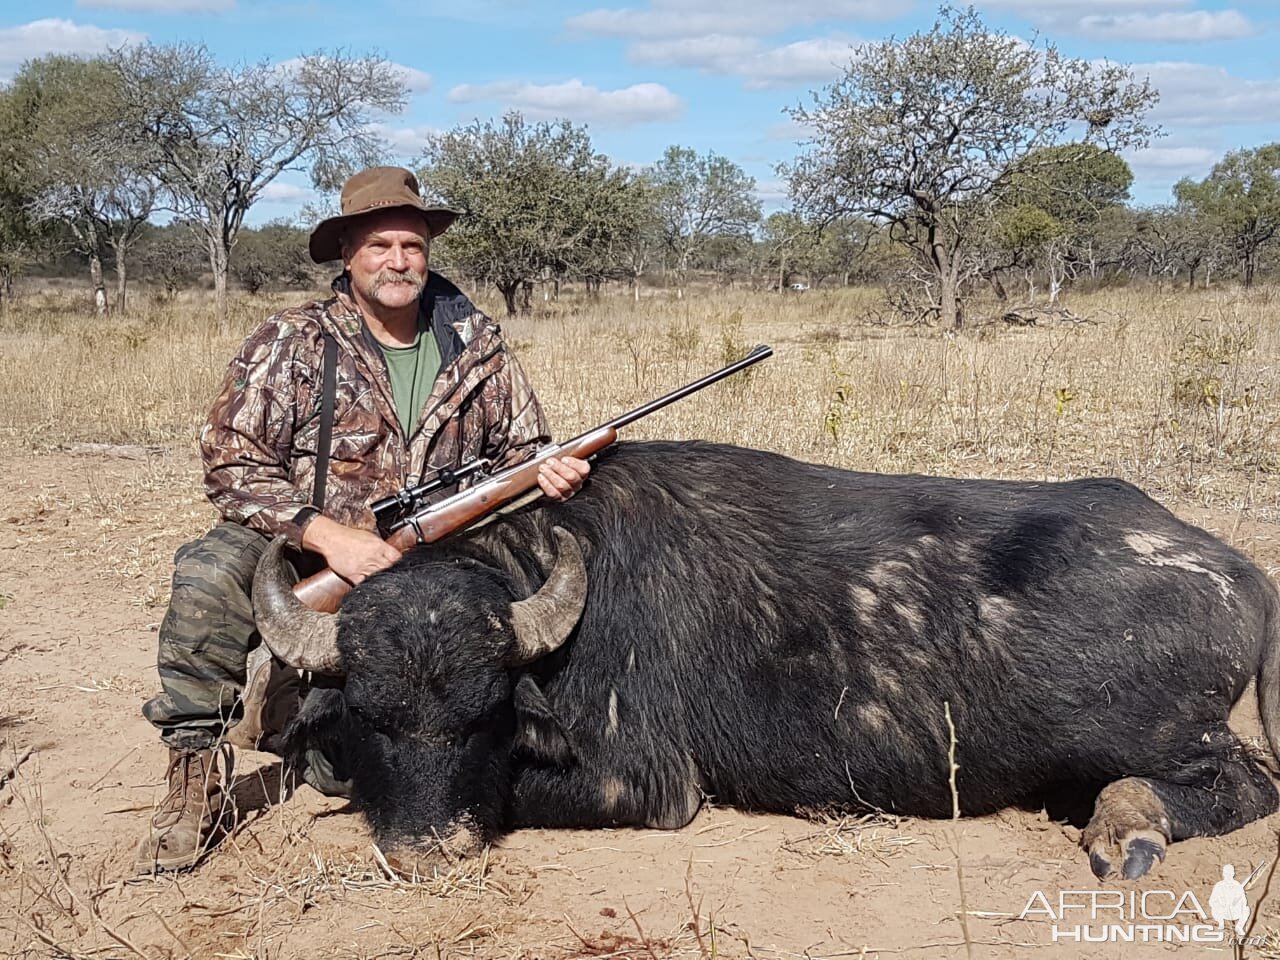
[439, 403]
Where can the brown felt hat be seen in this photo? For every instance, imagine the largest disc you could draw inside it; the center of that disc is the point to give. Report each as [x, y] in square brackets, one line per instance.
[375, 189]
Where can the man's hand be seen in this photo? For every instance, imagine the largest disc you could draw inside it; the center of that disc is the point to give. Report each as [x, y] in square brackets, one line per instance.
[351, 553]
[561, 477]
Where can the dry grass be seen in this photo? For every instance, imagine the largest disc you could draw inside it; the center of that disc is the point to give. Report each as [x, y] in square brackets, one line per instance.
[271, 873]
[875, 835]
[1177, 392]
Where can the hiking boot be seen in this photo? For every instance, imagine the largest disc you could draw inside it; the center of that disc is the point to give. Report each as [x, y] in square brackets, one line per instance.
[271, 698]
[187, 818]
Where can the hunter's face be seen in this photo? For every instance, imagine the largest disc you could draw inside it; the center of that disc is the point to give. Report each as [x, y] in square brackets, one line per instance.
[386, 255]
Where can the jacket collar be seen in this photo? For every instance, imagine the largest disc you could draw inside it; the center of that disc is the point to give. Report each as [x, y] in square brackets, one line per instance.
[470, 347]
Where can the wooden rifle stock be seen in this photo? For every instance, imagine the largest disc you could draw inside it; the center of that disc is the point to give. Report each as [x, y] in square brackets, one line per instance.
[325, 590]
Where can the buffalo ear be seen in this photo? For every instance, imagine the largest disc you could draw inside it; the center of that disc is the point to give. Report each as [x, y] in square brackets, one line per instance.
[539, 734]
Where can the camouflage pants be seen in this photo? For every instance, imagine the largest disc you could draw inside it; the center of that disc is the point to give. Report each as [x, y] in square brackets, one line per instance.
[206, 636]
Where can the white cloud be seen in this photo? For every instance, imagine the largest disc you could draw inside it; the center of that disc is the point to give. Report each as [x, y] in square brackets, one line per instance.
[40, 37]
[773, 193]
[404, 141]
[666, 19]
[1192, 26]
[1036, 9]
[1201, 95]
[805, 60]
[640, 103]
[160, 6]
[713, 52]
[791, 130]
[414, 79]
[800, 62]
[1174, 160]
[1159, 21]
[278, 192]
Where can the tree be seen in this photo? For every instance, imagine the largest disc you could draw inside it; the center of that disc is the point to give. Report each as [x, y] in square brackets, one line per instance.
[1048, 213]
[1072, 182]
[790, 246]
[170, 256]
[538, 199]
[274, 253]
[923, 134]
[76, 151]
[20, 236]
[223, 134]
[626, 235]
[1241, 197]
[701, 198]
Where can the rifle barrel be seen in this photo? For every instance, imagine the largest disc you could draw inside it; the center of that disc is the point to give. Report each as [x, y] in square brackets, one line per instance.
[760, 352]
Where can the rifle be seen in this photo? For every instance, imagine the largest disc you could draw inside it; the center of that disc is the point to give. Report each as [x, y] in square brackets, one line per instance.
[404, 521]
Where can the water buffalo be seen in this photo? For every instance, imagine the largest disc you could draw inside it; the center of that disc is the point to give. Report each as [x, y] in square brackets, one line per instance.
[711, 621]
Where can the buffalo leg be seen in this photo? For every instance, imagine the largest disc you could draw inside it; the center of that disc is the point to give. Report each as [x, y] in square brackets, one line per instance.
[1215, 790]
[663, 796]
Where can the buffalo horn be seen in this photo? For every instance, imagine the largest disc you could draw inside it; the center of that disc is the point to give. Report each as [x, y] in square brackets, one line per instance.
[545, 620]
[301, 637]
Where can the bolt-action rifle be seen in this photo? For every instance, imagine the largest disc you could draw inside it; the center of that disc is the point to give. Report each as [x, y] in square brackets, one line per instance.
[405, 519]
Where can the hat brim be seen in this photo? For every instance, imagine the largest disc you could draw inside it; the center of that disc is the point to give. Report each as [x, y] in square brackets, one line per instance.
[326, 238]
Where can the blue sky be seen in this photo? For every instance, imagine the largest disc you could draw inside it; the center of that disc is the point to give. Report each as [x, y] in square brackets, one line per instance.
[710, 74]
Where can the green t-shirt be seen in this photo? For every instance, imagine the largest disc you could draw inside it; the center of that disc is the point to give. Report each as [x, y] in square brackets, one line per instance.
[413, 370]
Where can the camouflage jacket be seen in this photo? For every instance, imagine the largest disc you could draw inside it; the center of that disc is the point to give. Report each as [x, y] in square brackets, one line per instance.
[259, 445]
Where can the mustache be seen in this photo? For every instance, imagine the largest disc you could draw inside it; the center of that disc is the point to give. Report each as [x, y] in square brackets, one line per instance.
[386, 276]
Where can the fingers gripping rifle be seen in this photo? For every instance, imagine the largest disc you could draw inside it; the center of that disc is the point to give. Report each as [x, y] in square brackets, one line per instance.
[405, 520]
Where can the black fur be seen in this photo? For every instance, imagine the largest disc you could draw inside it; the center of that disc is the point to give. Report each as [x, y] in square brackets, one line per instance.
[784, 636]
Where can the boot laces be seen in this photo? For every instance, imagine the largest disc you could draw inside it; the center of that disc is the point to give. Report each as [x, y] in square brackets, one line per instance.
[189, 774]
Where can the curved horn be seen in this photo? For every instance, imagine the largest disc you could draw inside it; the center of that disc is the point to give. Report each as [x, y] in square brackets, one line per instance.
[296, 634]
[544, 621]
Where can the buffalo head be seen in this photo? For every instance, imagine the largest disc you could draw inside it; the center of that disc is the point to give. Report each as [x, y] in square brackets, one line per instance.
[424, 723]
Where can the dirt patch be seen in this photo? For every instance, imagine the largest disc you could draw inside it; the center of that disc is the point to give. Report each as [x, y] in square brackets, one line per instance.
[85, 548]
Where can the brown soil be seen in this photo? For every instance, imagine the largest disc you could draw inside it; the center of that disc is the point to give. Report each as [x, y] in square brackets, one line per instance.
[85, 547]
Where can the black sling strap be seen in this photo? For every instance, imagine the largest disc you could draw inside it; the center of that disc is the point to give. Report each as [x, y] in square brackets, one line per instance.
[328, 389]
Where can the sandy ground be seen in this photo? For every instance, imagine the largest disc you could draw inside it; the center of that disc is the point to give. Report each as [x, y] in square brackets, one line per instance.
[85, 547]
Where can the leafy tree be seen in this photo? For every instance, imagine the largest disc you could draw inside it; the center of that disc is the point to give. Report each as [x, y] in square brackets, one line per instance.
[274, 253]
[223, 134]
[701, 198]
[1241, 198]
[21, 238]
[74, 147]
[626, 236]
[790, 246]
[731, 257]
[1071, 182]
[851, 248]
[170, 257]
[924, 134]
[538, 200]
[1048, 213]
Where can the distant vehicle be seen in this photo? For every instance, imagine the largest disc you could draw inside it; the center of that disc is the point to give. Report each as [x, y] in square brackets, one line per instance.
[799, 287]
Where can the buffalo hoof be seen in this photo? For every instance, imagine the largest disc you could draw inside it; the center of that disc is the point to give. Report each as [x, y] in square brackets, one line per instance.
[1138, 853]
[1129, 829]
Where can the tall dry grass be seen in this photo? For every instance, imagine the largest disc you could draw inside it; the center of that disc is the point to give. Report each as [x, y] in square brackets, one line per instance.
[1175, 391]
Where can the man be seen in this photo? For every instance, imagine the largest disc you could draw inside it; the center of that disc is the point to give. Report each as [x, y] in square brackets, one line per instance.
[421, 380]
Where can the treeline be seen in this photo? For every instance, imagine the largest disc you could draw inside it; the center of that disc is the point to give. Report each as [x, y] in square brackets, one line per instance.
[955, 162]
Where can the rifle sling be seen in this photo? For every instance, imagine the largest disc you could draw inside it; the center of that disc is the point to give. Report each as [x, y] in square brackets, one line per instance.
[328, 390]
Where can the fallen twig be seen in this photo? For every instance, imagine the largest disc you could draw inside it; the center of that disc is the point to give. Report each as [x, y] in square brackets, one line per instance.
[13, 769]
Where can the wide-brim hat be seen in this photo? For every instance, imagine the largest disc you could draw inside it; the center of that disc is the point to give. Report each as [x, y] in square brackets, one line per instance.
[372, 191]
